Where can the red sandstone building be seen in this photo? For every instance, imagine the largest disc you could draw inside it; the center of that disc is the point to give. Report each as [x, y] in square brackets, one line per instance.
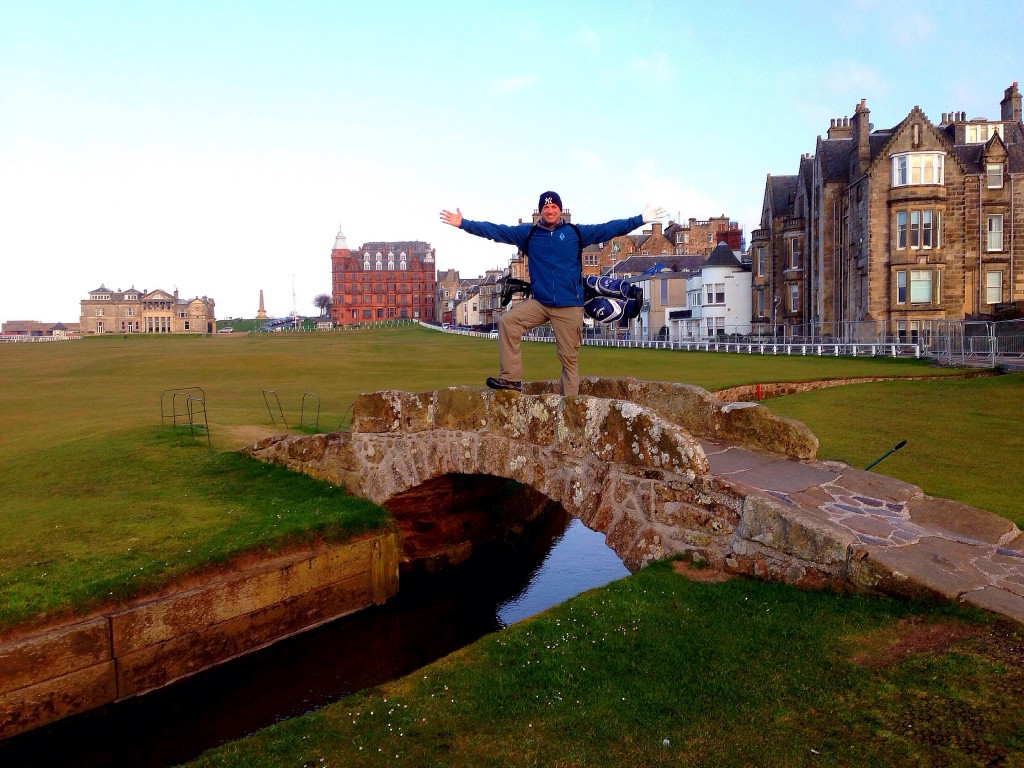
[382, 281]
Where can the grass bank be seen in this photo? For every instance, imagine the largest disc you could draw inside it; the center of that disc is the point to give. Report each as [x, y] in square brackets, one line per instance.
[657, 669]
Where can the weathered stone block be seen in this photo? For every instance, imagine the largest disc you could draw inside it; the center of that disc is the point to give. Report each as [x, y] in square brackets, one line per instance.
[393, 411]
[146, 667]
[53, 653]
[794, 533]
[756, 426]
[56, 698]
[187, 612]
[308, 449]
[326, 567]
[464, 409]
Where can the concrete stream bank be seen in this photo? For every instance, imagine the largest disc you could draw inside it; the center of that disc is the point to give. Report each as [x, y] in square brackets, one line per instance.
[50, 674]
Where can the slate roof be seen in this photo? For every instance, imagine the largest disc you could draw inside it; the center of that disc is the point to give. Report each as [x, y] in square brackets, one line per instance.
[634, 265]
[722, 256]
[783, 191]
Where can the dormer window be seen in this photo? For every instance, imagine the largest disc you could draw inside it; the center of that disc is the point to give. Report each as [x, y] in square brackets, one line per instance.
[913, 168]
[994, 175]
[366, 261]
[979, 133]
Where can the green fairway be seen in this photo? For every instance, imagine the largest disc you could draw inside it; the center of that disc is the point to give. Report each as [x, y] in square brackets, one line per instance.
[99, 501]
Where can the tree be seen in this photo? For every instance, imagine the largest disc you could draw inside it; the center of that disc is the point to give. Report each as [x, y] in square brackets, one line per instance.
[323, 303]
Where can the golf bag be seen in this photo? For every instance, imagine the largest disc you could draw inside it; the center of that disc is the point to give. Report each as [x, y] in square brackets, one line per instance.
[608, 299]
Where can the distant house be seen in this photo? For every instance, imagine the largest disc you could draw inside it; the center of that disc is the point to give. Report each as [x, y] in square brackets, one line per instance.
[718, 300]
[35, 329]
[142, 311]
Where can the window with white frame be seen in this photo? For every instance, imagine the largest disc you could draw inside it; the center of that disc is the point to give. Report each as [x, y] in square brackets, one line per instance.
[995, 232]
[715, 293]
[793, 252]
[921, 286]
[715, 326]
[914, 168]
[918, 229]
[760, 302]
[993, 286]
[761, 261]
[901, 286]
[794, 297]
[994, 175]
[981, 132]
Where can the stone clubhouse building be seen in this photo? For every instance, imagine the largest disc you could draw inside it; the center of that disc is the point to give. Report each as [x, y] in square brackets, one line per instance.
[142, 311]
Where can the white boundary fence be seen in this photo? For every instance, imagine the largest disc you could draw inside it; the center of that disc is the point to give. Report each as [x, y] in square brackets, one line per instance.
[967, 343]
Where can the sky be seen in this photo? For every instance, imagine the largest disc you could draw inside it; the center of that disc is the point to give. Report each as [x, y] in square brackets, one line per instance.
[217, 148]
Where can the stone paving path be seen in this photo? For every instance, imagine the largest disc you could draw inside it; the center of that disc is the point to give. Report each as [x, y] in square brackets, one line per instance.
[932, 547]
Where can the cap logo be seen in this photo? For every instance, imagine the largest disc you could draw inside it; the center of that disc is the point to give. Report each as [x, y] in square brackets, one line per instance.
[549, 201]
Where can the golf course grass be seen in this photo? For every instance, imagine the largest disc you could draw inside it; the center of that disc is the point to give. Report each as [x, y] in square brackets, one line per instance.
[104, 499]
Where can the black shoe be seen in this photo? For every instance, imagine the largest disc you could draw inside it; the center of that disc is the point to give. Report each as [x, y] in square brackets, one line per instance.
[495, 383]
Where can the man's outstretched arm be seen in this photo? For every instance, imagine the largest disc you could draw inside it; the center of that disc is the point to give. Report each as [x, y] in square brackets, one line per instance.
[499, 233]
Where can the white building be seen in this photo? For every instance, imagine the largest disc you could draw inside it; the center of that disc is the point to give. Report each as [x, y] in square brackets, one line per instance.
[718, 300]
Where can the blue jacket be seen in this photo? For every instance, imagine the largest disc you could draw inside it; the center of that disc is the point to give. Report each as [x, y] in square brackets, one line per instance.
[556, 276]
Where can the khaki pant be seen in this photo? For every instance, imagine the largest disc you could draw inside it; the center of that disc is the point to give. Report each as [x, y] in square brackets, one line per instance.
[566, 322]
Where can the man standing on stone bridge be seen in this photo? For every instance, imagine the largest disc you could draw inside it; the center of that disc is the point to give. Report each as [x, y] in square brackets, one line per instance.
[554, 249]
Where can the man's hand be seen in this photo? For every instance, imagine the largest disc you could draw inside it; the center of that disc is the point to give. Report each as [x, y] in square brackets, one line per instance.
[455, 219]
[653, 214]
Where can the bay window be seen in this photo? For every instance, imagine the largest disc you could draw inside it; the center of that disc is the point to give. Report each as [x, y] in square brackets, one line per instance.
[913, 168]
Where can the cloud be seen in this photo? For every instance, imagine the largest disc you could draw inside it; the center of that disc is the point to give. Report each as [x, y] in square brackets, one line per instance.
[658, 67]
[590, 40]
[585, 158]
[512, 84]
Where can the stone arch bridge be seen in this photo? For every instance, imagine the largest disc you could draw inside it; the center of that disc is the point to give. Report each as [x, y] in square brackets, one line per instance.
[661, 469]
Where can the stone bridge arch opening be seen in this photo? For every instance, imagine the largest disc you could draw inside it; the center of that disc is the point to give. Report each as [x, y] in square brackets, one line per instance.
[446, 520]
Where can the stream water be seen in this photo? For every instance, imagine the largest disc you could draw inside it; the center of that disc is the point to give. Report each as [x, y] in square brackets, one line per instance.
[431, 617]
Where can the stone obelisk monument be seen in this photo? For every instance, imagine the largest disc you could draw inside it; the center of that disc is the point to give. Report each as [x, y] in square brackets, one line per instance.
[262, 314]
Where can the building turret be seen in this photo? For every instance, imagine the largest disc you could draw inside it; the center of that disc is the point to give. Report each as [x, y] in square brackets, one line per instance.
[340, 243]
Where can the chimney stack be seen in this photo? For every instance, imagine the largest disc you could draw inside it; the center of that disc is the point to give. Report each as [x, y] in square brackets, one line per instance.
[1010, 105]
[861, 131]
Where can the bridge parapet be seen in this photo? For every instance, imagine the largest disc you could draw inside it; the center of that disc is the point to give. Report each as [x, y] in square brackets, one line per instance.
[609, 430]
[702, 414]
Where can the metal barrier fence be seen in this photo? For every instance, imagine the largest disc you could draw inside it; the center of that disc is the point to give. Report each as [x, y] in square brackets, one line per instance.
[968, 342]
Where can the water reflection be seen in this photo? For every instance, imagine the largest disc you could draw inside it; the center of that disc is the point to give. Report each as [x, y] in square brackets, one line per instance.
[431, 617]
